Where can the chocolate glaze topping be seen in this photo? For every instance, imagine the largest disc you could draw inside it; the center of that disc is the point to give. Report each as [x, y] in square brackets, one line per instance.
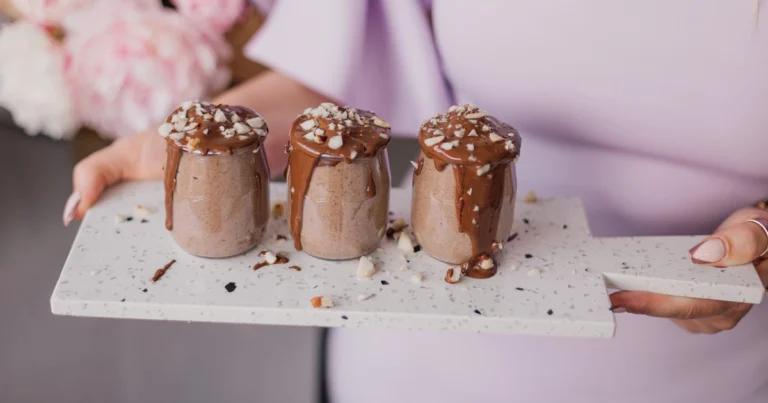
[203, 128]
[479, 147]
[335, 133]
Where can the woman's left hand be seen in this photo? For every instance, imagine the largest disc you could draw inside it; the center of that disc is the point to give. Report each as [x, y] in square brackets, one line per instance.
[736, 242]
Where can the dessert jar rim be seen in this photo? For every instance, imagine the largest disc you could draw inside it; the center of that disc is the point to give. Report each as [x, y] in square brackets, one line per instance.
[214, 153]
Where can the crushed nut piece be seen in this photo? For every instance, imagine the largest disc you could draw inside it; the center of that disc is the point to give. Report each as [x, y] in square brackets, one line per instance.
[476, 115]
[365, 268]
[433, 140]
[308, 124]
[534, 272]
[483, 170]
[453, 275]
[241, 128]
[381, 122]
[336, 142]
[143, 211]
[404, 242]
[235, 117]
[446, 146]
[256, 123]
[486, 263]
[415, 164]
[219, 116]
[417, 278]
[120, 218]
[398, 224]
[270, 257]
[277, 209]
[193, 144]
[165, 129]
[531, 197]
[363, 297]
[470, 147]
[495, 137]
[321, 302]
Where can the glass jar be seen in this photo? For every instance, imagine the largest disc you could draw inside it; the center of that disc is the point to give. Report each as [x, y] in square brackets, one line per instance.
[345, 209]
[434, 211]
[221, 201]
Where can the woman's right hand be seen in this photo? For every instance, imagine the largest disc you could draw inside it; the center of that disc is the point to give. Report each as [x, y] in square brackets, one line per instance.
[139, 157]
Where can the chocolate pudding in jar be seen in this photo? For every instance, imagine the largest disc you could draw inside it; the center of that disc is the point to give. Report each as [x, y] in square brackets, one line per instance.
[216, 178]
[338, 181]
[464, 187]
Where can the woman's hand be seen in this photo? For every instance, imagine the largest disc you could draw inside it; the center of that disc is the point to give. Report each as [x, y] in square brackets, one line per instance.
[736, 242]
[142, 156]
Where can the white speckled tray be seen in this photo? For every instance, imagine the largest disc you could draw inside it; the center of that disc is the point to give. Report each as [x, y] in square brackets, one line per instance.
[108, 274]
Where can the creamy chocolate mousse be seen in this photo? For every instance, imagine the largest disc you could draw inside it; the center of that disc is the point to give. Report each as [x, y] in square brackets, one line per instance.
[216, 178]
[459, 215]
[338, 181]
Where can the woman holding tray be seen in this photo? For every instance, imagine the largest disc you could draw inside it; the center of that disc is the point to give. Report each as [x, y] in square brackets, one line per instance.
[653, 112]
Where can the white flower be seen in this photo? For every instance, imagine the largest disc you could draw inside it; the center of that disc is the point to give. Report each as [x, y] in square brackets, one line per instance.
[32, 81]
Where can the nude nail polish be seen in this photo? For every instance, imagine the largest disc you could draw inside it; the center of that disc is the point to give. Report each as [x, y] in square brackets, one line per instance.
[709, 251]
[70, 206]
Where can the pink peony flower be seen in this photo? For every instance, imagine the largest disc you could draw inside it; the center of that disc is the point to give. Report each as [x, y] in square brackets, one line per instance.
[56, 11]
[32, 83]
[130, 67]
[219, 15]
[48, 11]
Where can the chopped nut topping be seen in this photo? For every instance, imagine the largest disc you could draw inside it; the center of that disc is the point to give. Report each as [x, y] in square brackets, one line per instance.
[319, 132]
[415, 164]
[473, 133]
[193, 144]
[363, 297]
[433, 140]
[476, 208]
[470, 147]
[241, 128]
[483, 170]
[446, 146]
[459, 133]
[495, 137]
[235, 117]
[534, 272]
[476, 115]
[486, 128]
[353, 155]
[207, 116]
[417, 278]
[309, 136]
[256, 123]
[335, 142]
[186, 105]
[219, 116]
[381, 122]
[308, 124]
[176, 135]
[165, 129]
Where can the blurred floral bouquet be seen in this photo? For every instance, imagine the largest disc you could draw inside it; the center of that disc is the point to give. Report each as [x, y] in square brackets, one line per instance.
[116, 66]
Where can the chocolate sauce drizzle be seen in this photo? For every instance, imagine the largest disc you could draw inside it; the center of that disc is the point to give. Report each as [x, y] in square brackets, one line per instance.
[203, 128]
[480, 149]
[328, 135]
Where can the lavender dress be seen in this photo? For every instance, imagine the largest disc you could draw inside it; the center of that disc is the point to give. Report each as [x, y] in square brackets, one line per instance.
[653, 112]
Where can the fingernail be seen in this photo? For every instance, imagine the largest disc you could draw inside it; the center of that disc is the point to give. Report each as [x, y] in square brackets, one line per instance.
[618, 309]
[70, 206]
[709, 251]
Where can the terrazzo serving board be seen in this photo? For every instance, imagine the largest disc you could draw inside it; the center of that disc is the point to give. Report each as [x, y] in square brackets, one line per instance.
[552, 280]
